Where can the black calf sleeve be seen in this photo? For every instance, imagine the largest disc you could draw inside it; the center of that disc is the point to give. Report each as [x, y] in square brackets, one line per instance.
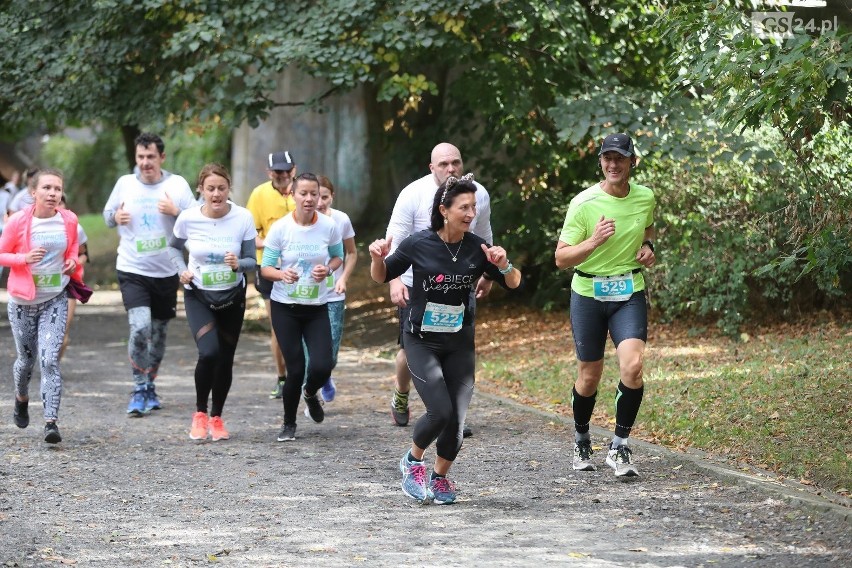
[582, 406]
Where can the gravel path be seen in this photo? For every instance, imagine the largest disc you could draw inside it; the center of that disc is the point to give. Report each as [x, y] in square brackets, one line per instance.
[139, 492]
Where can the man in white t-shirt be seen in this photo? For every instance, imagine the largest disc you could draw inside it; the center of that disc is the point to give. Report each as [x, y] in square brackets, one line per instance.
[411, 214]
[144, 206]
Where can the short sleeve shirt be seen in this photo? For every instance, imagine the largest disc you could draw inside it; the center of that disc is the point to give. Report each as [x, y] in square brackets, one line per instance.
[412, 212]
[344, 225]
[438, 281]
[632, 215]
[207, 241]
[143, 244]
[301, 248]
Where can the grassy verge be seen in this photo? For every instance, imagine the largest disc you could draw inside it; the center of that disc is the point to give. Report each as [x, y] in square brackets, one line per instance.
[103, 242]
[774, 400]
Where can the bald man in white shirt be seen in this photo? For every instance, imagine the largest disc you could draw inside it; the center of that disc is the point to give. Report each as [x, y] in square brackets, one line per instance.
[411, 214]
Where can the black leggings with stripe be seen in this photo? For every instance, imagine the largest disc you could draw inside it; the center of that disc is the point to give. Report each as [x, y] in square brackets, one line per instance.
[216, 334]
[442, 367]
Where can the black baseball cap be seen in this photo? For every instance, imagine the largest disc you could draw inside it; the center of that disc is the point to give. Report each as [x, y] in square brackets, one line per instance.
[281, 161]
[620, 143]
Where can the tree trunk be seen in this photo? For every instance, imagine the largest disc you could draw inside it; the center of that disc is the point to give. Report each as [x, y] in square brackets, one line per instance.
[129, 132]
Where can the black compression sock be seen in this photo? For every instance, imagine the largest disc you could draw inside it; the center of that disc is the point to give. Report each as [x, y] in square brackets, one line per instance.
[627, 402]
[582, 406]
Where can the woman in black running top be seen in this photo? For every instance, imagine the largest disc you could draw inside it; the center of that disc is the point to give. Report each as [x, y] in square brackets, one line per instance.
[447, 261]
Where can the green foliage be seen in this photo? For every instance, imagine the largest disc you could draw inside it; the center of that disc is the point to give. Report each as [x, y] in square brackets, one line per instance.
[525, 88]
[798, 85]
[726, 249]
[90, 168]
[189, 149]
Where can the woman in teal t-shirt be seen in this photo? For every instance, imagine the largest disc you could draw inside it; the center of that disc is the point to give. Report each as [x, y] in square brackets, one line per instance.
[606, 239]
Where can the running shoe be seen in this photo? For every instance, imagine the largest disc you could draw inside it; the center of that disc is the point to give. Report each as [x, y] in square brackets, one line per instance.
[620, 459]
[399, 409]
[279, 390]
[328, 390]
[138, 405]
[315, 410]
[287, 433]
[583, 456]
[217, 429]
[152, 401]
[414, 479]
[22, 413]
[199, 426]
[467, 432]
[443, 491]
[51, 433]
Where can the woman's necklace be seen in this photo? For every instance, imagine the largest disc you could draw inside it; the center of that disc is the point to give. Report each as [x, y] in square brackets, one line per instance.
[458, 250]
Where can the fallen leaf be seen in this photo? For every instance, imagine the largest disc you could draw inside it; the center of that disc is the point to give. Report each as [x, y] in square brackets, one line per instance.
[577, 555]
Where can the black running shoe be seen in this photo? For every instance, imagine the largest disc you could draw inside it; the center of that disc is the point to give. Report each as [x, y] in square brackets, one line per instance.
[22, 413]
[467, 432]
[315, 410]
[287, 433]
[51, 433]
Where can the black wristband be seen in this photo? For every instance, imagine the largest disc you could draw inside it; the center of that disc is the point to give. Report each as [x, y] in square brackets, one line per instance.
[650, 245]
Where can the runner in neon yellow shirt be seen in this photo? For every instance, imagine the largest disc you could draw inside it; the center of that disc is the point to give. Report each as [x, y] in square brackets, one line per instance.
[607, 239]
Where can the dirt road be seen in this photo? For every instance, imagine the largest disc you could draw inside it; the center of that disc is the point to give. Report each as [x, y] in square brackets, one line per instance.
[139, 492]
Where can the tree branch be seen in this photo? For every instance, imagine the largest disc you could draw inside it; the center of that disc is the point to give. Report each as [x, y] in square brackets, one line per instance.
[323, 96]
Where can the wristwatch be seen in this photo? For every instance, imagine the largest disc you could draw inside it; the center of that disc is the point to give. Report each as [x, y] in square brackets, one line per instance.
[649, 243]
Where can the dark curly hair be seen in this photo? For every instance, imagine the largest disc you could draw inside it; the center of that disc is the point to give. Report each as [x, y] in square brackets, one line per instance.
[146, 139]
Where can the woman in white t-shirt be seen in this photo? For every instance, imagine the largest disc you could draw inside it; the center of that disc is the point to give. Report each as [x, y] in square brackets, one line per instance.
[307, 246]
[219, 236]
[338, 280]
[82, 258]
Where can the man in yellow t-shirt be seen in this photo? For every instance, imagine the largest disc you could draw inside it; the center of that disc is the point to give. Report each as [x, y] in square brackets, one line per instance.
[269, 202]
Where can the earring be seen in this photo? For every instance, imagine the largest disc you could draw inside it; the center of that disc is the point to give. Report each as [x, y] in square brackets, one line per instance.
[445, 220]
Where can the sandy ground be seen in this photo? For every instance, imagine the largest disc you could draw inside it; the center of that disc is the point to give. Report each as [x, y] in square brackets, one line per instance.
[139, 492]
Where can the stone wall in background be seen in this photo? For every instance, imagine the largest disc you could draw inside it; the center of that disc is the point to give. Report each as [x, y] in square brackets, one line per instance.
[331, 140]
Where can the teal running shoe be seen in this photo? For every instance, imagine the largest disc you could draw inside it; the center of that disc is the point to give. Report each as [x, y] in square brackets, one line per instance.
[414, 479]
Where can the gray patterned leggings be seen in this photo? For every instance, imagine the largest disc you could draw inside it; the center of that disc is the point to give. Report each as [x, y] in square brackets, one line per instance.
[146, 345]
[39, 329]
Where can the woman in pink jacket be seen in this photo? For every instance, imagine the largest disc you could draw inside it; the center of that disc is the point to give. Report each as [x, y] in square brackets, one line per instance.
[39, 244]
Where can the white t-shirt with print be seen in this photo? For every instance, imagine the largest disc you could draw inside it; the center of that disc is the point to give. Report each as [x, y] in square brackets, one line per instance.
[207, 241]
[301, 248]
[347, 231]
[47, 273]
[143, 244]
